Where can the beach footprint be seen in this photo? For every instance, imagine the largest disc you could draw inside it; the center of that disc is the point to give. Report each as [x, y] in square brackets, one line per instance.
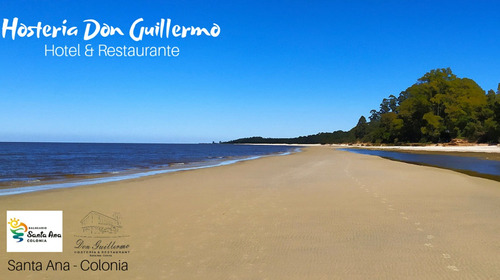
[453, 268]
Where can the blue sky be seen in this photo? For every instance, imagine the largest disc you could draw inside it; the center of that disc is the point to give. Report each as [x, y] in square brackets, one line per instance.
[278, 68]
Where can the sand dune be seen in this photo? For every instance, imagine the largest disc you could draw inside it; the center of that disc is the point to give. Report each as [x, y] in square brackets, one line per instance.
[318, 214]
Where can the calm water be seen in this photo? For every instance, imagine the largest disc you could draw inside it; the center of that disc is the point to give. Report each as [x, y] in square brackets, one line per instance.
[24, 164]
[478, 165]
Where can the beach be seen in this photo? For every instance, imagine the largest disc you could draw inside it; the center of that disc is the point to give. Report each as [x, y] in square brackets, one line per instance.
[317, 214]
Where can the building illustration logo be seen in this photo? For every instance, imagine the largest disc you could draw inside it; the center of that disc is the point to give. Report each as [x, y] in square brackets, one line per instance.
[18, 229]
[98, 223]
[101, 236]
[34, 231]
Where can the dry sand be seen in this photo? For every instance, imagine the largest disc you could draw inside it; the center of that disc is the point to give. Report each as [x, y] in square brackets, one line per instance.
[318, 214]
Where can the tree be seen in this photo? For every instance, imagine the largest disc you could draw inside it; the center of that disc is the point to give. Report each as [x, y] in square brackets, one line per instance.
[374, 116]
[360, 129]
[433, 128]
[390, 126]
[438, 107]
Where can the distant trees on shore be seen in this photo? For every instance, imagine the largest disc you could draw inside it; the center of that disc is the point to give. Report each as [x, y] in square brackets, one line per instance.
[437, 108]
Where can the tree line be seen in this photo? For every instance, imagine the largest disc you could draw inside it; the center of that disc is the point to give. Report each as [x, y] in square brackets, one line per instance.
[439, 107]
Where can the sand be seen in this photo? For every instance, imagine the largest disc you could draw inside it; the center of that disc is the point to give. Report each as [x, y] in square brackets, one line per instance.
[318, 214]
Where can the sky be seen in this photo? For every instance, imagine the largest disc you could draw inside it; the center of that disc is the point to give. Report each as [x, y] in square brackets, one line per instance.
[277, 69]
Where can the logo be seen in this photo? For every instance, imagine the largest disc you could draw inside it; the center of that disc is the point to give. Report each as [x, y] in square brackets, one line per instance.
[98, 223]
[102, 236]
[34, 231]
[17, 229]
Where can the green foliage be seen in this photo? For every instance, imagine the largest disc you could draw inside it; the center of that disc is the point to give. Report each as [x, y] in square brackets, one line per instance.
[434, 127]
[361, 129]
[437, 108]
[338, 136]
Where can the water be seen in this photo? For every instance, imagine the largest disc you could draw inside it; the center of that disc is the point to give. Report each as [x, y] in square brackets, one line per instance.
[463, 163]
[25, 166]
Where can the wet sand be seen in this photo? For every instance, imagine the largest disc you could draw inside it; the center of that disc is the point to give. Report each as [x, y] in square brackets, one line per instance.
[318, 214]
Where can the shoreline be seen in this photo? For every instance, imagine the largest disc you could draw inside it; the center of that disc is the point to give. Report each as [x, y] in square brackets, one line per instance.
[431, 148]
[463, 171]
[478, 164]
[278, 144]
[91, 179]
[478, 148]
[492, 153]
[317, 214]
